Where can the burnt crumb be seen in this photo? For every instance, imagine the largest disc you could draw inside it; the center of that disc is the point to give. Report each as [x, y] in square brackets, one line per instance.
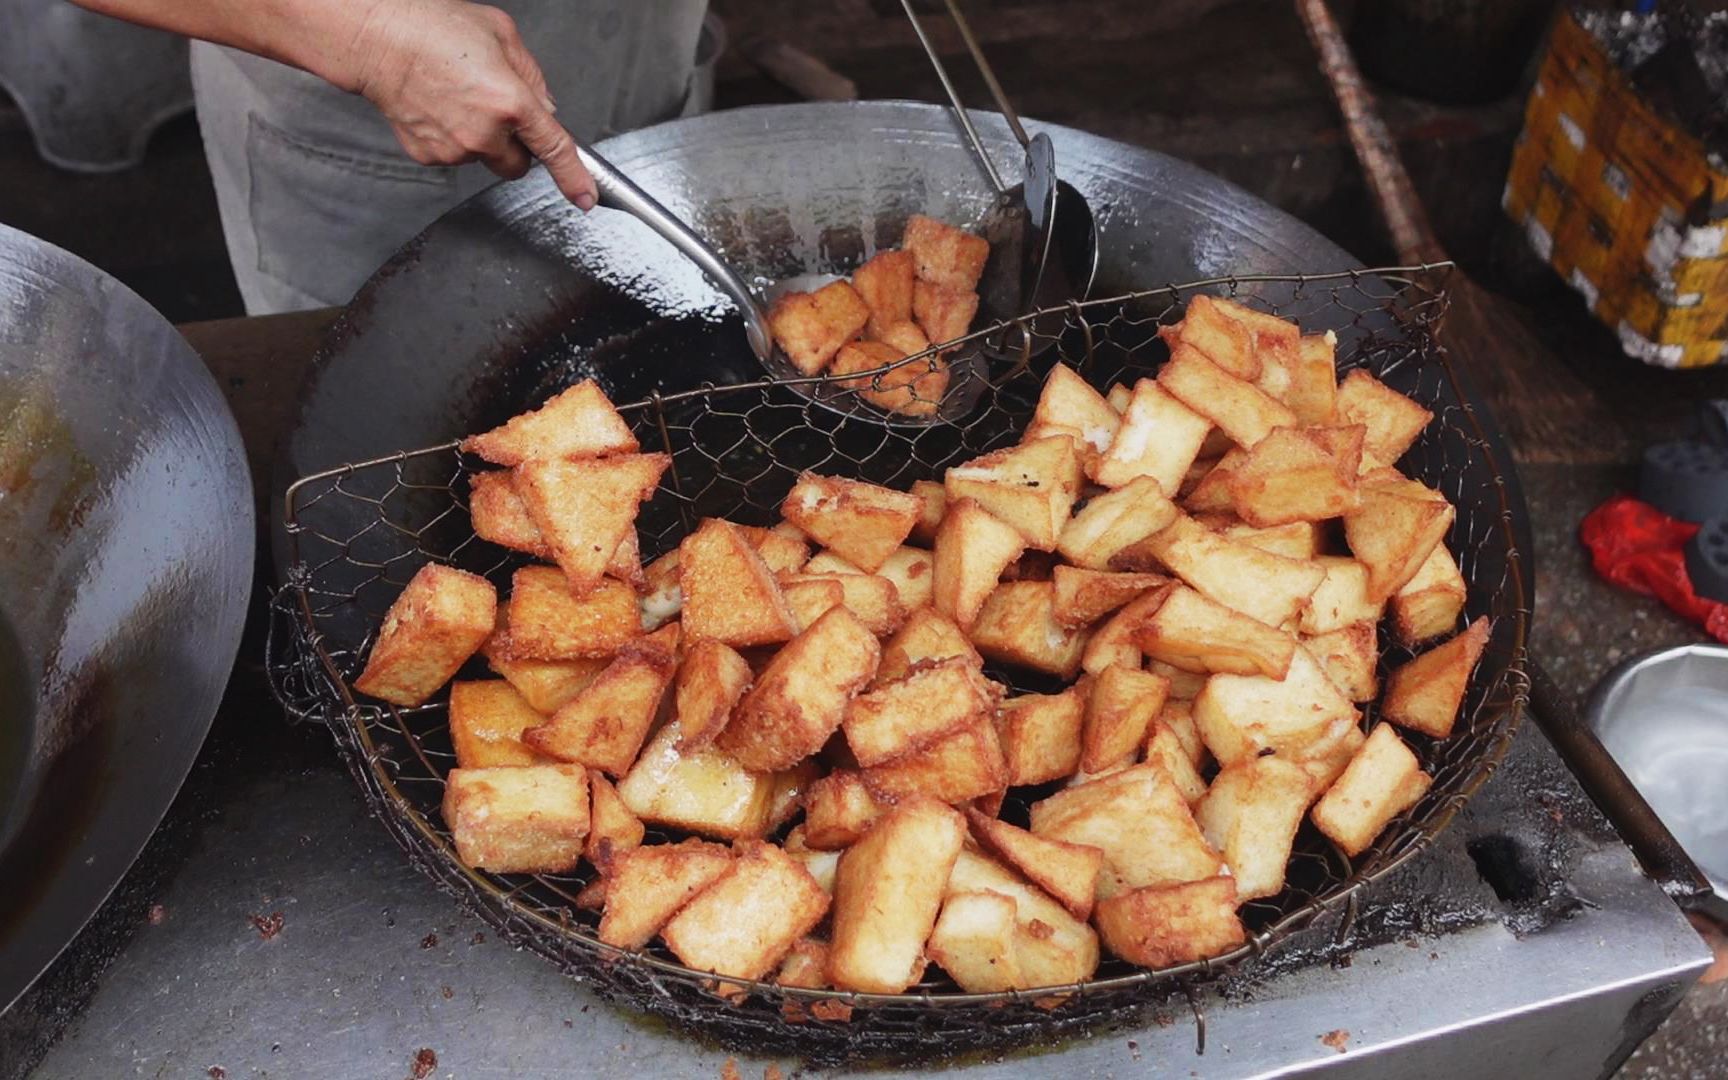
[158, 915]
[1134, 1049]
[1163, 1019]
[430, 941]
[275, 1048]
[268, 926]
[1342, 960]
[479, 938]
[569, 1023]
[584, 1008]
[217, 1072]
[1433, 956]
[423, 1064]
[447, 992]
[1337, 1039]
[1412, 943]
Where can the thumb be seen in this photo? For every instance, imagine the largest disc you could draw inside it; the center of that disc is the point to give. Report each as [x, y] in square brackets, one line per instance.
[547, 140]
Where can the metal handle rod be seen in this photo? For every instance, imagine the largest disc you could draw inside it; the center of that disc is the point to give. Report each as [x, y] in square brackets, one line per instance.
[988, 72]
[954, 100]
[619, 192]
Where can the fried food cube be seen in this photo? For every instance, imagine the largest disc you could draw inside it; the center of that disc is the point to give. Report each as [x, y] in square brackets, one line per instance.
[1211, 493]
[901, 717]
[549, 621]
[1163, 926]
[1424, 694]
[604, 726]
[662, 596]
[1324, 759]
[1141, 823]
[1348, 655]
[810, 599]
[1240, 716]
[823, 563]
[1068, 405]
[862, 523]
[973, 941]
[1178, 715]
[585, 508]
[544, 684]
[1212, 327]
[749, 917]
[729, 594]
[487, 719]
[972, 549]
[1160, 437]
[1120, 707]
[1017, 625]
[575, 423]
[649, 884]
[811, 327]
[1113, 640]
[1429, 604]
[1393, 420]
[782, 551]
[528, 819]
[965, 764]
[1196, 634]
[838, 809]
[1342, 598]
[1110, 522]
[1068, 872]
[441, 619]
[1040, 735]
[945, 254]
[913, 572]
[871, 597]
[884, 283]
[499, 514]
[706, 791]
[805, 965]
[1164, 749]
[887, 894]
[1050, 946]
[1251, 814]
[1393, 530]
[1383, 780]
[711, 679]
[1295, 540]
[824, 866]
[1082, 596]
[942, 312]
[914, 388]
[1184, 685]
[1031, 486]
[1313, 379]
[934, 498]
[800, 697]
[926, 637]
[1257, 583]
[1294, 475]
[1241, 409]
[904, 335]
[613, 828]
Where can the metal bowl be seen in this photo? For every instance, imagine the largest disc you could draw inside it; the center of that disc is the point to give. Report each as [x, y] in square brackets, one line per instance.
[1664, 719]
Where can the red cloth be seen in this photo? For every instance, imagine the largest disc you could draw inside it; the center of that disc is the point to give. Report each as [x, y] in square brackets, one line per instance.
[1638, 547]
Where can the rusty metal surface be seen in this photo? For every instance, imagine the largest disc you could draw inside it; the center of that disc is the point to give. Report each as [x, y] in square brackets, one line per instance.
[126, 543]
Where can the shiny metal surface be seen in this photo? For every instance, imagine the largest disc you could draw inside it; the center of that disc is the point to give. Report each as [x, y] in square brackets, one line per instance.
[126, 544]
[1664, 719]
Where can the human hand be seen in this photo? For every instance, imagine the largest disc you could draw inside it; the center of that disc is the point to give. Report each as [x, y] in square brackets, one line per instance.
[457, 84]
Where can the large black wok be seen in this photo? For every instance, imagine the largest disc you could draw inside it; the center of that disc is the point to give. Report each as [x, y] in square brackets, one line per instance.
[126, 543]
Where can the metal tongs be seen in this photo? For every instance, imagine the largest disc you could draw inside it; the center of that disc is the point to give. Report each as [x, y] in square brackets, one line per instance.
[1043, 216]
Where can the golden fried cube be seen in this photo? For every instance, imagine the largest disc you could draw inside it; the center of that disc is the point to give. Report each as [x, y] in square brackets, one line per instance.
[1341, 599]
[1031, 486]
[1393, 420]
[585, 509]
[973, 941]
[943, 313]
[1113, 521]
[1211, 493]
[1393, 530]
[441, 619]
[1050, 946]
[1068, 872]
[1424, 694]
[1349, 655]
[914, 388]
[800, 697]
[905, 335]
[1383, 780]
[887, 894]
[810, 598]
[965, 764]
[911, 713]
[1040, 735]
[1313, 379]
[838, 809]
[1068, 405]
[1296, 540]
[925, 637]
[862, 523]
[1184, 685]
[1017, 625]
[1296, 474]
[749, 917]
[1112, 642]
[544, 684]
[913, 572]
[1120, 707]
[1163, 926]
[1257, 583]
[1240, 716]
[811, 327]
[806, 964]
[729, 594]
[884, 283]
[499, 514]
[1165, 749]
[604, 726]
[973, 548]
[710, 681]
[1082, 596]
[871, 597]
[706, 791]
[613, 828]
[1251, 814]
[934, 499]
[1241, 409]
[1196, 634]
[518, 819]
[549, 621]
[1141, 823]
[1211, 326]
[487, 719]
[577, 422]
[1429, 604]
[649, 884]
[1159, 438]
[945, 254]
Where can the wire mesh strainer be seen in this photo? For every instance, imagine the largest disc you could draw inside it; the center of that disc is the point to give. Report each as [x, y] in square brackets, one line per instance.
[357, 533]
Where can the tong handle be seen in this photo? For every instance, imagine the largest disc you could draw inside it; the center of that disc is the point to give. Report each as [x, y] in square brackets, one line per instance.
[988, 72]
[953, 93]
[619, 192]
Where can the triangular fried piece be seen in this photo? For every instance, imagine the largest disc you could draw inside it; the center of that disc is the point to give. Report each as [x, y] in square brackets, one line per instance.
[710, 681]
[1393, 533]
[649, 884]
[1068, 872]
[862, 523]
[604, 726]
[1424, 694]
[972, 550]
[1031, 486]
[613, 828]
[730, 595]
[579, 422]
[586, 508]
[1123, 701]
[499, 514]
[1085, 596]
[1068, 405]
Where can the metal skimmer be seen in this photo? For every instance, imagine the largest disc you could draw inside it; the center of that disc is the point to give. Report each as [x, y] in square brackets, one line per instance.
[357, 533]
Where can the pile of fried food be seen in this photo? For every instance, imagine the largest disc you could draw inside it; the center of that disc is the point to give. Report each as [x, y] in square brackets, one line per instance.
[896, 305]
[1199, 565]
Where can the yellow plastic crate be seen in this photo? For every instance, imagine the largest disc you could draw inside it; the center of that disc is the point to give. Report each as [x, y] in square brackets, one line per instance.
[1623, 205]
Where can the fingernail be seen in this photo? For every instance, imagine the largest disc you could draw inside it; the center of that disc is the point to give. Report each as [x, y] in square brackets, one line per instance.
[585, 202]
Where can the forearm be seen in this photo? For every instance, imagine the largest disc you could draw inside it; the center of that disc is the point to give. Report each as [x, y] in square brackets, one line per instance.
[324, 37]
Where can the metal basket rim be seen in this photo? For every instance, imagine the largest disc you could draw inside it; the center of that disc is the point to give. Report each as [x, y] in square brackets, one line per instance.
[1507, 712]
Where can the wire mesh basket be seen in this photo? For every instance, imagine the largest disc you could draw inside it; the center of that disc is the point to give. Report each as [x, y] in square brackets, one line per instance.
[357, 533]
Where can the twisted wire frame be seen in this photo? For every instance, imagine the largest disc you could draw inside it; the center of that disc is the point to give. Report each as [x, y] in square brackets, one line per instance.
[359, 532]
